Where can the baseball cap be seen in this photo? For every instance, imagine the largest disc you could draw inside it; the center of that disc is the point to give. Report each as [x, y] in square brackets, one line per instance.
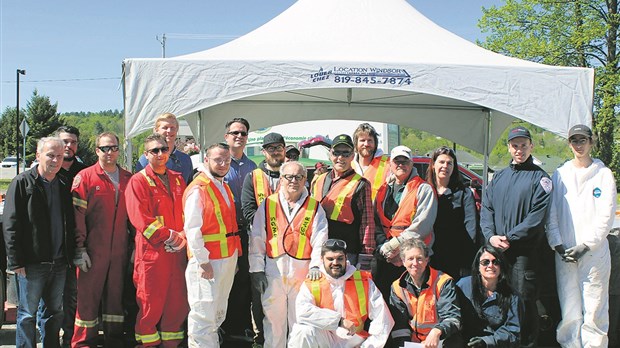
[318, 165]
[272, 138]
[580, 129]
[292, 148]
[401, 151]
[519, 132]
[342, 139]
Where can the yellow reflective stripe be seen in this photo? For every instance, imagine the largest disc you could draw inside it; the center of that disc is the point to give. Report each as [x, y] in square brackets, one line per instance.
[303, 239]
[361, 294]
[86, 323]
[315, 288]
[221, 237]
[379, 176]
[148, 179]
[167, 336]
[272, 204]
[342, 196]
[148, 338]
[154, 226]
[80, 203]
[112, 318]
[260, 186]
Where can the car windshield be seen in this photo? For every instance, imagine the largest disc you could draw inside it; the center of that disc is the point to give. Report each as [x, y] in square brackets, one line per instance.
[10, 159]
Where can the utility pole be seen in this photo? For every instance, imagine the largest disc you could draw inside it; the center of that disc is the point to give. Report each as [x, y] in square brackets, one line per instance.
[162, 41]
[19, 72]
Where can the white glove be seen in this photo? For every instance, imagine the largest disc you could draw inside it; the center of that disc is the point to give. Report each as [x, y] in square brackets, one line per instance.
[176, 241]
[82, 260]
[390, 247]
[314, 273]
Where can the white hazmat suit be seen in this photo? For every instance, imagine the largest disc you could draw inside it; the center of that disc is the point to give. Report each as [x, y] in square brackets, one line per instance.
[582, 212]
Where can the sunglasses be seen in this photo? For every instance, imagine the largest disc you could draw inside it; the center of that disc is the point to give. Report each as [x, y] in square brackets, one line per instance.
[342, 153]
[292, 156]
[221, 161]
[114, 148]
[242, 133]
[579, 142]
[290, 177]
[158, 150]
[339, 243]
[487, 262]
[401, 161]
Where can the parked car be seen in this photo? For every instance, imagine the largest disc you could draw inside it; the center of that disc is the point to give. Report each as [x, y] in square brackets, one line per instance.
[9, 162]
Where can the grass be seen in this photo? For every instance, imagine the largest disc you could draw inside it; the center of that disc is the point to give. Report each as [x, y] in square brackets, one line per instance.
[4, 184]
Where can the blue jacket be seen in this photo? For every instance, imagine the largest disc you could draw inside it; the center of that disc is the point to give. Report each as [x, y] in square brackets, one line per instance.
[515, 205]
[497, 329]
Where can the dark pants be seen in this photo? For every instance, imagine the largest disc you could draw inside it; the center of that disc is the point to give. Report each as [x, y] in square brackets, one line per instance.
[69, 301]
[42, 283]
[384, 274]
[524, 269]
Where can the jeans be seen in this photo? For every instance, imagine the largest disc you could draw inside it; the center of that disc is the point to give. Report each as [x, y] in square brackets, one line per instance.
[44, 282]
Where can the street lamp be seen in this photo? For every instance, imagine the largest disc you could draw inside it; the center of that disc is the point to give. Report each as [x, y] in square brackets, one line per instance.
[19, 72]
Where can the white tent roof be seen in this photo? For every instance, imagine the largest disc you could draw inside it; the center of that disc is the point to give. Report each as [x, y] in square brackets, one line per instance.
[376, 60]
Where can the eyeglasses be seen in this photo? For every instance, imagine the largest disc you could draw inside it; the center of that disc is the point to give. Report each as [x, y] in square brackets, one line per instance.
[487, 262]
[272, 149]
[158, 150]
[114, 148]
[401, 161]
[342, 153]
[330, 243]
[290, 177]
[579, 142]
[292, 156]
[221, 161]
[235, 133]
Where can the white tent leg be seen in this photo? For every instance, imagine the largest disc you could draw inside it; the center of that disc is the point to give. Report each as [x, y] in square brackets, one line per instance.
[487, 139]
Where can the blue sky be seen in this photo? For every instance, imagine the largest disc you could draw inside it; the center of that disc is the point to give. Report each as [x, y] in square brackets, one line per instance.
[72, 50]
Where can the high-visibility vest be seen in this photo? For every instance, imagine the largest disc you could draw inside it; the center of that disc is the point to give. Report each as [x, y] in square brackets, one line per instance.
[407, 208]
[262, 189]
[422, 309]
[337, 202]
[355, 298]
[292, 238]
[377, 172]
[219, 221]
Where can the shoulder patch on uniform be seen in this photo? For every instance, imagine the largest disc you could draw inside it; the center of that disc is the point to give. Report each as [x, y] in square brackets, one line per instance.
[546, 184]
[596, 192]
[76, 181]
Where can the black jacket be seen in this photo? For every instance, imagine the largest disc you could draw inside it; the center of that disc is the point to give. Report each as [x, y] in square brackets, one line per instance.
[26, 221]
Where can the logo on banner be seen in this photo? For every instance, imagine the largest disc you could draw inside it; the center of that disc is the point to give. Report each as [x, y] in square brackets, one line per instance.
[363, 75]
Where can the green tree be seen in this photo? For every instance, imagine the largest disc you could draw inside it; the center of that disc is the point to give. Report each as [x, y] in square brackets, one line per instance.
[7, 132]
[43, 120]
[571, 33]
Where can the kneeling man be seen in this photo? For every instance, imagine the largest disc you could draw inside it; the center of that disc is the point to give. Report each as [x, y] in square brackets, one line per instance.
[332, 311]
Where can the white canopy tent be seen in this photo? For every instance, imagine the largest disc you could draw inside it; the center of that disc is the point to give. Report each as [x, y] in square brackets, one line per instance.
[376, 60]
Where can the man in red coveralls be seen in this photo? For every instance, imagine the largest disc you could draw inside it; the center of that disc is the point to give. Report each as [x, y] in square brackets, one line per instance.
[154, 205]
[101, 245]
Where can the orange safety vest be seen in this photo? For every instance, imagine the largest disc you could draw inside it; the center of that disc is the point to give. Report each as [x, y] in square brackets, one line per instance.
[219, 221]
[423, 316]
[377, 172]
[355, 298]
[262, 189]
[407, 208]
[337, 202]
[292, 238]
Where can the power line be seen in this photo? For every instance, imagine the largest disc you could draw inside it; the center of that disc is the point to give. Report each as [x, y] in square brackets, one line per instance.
[68, 80]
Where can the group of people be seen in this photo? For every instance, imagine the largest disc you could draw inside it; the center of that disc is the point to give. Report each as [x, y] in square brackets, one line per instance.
[368, 254]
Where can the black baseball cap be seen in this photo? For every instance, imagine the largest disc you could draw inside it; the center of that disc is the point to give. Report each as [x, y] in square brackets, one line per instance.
[292, 148]
[342, 139]
[580, 129]
[519, 132]
[273, 138]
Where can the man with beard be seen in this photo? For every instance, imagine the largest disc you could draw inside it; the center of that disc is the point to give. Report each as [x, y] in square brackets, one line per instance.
[70, 167]
[333, 310]
[258, 185]
[167, 125]
[513, 217]
[214, 245]
[101, 245]
[288, 231]
[155, 208]
[370, 161]
[38, 227]
[345, 196]
[238, 323]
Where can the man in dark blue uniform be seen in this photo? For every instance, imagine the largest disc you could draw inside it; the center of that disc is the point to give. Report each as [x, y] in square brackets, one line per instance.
[513, 217]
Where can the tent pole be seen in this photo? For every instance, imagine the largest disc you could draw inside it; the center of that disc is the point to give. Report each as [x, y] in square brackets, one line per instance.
[200, 137]
[487, 139]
